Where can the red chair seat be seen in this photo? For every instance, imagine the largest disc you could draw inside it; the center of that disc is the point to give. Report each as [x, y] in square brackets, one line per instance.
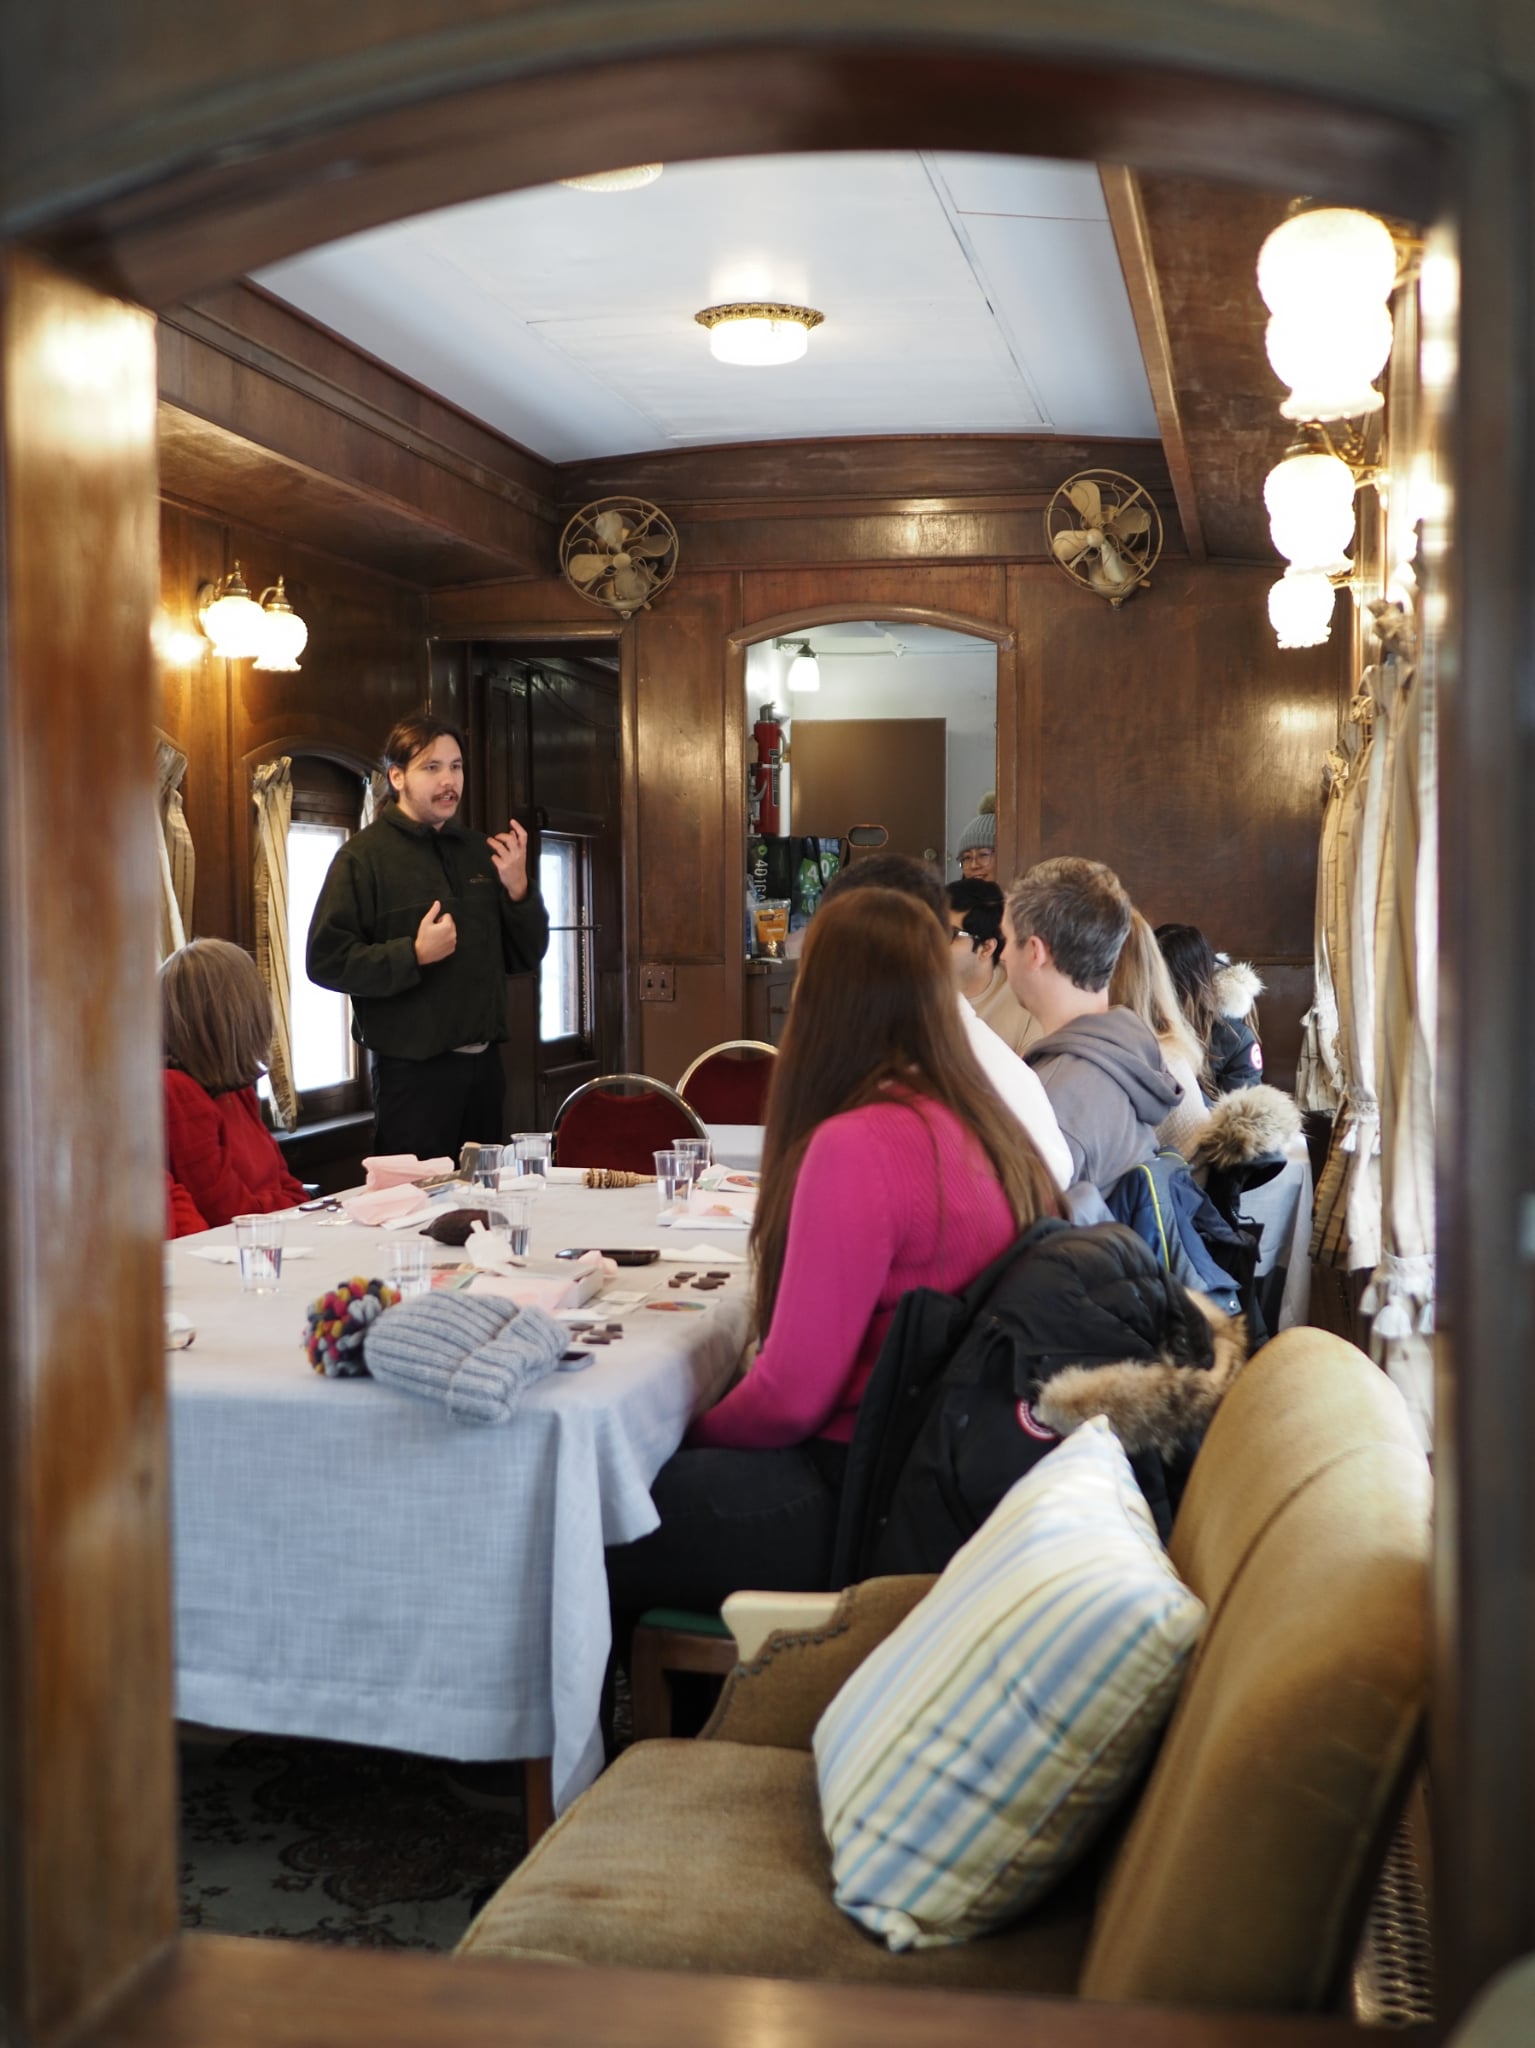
[602, 1126]
[729, 1085]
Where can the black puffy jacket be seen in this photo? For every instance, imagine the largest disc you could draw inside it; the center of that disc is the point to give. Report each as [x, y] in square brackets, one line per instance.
[971, 1390]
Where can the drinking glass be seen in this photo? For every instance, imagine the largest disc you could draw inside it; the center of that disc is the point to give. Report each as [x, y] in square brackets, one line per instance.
[410, 1267]
[530, 1153]
[486, 1166]
[701, 1149]
[675, 1172]
[516, 1207]
[259, 1239]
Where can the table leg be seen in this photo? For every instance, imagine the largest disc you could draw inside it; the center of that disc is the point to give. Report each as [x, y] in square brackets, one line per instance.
[537, 1796]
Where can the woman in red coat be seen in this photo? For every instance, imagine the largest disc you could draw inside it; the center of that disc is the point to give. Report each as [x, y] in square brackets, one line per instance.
[217, 1020]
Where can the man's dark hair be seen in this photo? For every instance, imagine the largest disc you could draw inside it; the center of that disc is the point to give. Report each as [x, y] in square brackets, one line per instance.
[896, 871]
[1079, 909]
[412, 734]
[980, 907]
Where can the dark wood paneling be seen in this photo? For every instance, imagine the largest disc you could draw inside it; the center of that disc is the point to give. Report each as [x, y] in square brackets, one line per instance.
[1179, 745]
[87, 1760]
[365, 666]
[1203, 241]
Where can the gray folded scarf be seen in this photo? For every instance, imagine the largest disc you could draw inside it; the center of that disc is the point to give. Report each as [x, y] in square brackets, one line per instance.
[476, 1353]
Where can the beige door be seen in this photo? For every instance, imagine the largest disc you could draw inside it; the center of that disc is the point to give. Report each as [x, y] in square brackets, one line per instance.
[871, 771]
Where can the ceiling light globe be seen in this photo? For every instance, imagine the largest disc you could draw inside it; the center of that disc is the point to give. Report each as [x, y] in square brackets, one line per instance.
[1310, 500]
[1300, 608]
[629, 179]
[1317, 258]
[758, 344]
[1330, 357]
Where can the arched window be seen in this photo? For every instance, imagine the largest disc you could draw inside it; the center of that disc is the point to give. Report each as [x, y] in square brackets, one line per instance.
[328, 1071]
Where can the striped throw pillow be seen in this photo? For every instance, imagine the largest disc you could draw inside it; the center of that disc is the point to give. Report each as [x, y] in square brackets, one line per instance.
[971, 1759]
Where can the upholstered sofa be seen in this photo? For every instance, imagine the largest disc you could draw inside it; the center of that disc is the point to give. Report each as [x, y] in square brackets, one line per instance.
[1236, 1879]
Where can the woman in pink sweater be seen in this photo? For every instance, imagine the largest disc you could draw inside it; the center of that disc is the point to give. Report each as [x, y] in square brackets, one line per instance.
[887, 1164]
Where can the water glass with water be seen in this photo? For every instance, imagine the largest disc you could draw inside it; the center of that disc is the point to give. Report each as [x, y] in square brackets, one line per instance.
[530, 1153]
[485, 1166]
[259, 1241]
[516, 1213]
[675, 1174]
[410, 1267]
[700, 1149]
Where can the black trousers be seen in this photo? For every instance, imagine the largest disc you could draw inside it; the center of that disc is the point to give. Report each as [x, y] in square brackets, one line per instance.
[730, 1521]
[435, 1106]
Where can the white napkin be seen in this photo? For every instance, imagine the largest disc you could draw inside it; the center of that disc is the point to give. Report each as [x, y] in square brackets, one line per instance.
[229, 1254]
[706, 1255]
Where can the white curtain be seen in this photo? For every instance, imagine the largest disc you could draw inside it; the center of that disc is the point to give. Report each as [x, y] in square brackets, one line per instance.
[178, 862]
[272, 794]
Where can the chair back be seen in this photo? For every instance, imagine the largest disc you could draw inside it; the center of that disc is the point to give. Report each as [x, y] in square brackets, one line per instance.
[620, 1120]
[728, 1084]
[1243, 1877]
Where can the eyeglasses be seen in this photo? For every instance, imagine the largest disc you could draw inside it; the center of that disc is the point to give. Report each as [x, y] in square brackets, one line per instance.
[959, 932]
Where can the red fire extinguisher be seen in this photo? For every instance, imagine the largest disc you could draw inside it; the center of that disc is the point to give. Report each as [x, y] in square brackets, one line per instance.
[766, 776]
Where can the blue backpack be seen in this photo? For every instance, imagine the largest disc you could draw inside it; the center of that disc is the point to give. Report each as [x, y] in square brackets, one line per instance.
[1168, 1210]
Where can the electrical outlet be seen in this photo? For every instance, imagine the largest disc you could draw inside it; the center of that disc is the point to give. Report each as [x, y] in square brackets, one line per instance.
[657, 983]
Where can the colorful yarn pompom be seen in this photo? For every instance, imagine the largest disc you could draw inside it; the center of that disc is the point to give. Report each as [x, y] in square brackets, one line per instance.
[336, 1323]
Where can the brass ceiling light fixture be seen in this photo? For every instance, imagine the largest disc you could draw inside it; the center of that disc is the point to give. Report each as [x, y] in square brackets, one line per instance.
[757, 333]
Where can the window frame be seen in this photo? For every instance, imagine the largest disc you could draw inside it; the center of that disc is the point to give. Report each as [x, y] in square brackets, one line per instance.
[573, 1048]
[324, 799]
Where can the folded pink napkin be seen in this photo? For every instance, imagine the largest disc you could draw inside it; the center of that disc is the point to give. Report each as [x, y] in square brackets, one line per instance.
[394, 1169]
[384, 1205]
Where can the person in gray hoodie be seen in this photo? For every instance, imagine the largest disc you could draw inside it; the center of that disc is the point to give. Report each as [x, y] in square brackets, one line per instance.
[1101, 1067]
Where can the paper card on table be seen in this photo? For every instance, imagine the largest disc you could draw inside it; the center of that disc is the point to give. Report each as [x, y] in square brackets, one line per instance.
[387, 1207]
[397, 1169]
[706, 1255]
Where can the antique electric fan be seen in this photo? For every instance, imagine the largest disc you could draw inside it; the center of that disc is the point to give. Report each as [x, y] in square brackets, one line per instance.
[619, 553]
[1105, 532]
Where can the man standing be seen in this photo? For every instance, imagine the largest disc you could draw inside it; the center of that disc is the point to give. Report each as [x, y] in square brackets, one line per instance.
[975, 953]
[419, 921]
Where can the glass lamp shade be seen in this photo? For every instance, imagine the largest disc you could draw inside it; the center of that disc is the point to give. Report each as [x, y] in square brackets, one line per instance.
[1330, 357]
[234, 622]
[1310, 499]
[284, 634]
[1315, 259]
[757, 341]
[804, 672]
[1300, 608]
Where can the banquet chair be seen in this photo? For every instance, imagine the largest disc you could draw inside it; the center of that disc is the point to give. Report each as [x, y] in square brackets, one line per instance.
[621, 1120]
[728, 1084]
[669, 1641]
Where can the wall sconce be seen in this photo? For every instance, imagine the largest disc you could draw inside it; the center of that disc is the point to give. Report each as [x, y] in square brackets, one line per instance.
[758, 335]
[804, 670]
[1326, 277]
[1310, 499]
[240, 628]
[1300, 607]
[285, 634]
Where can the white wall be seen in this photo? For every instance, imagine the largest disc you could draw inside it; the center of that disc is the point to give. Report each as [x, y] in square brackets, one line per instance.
[958, 685]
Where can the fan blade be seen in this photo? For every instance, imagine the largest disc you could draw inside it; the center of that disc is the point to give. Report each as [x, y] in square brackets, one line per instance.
[1096, 580]
[586, 568]
[609, 529]
[633, 584]
[1068, 544]
[1114, 566]
[1129, 522]
[1088, 500]
[653, 548]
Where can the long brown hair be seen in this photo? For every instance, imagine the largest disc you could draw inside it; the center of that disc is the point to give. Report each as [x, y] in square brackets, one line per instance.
[216, 1015]
[875, 1007]
[1142, 982]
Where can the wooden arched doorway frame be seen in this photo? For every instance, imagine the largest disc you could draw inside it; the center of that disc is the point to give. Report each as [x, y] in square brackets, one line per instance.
[234, 155]
[848, 611]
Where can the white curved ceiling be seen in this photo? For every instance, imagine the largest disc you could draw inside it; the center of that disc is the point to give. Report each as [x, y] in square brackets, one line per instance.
[962, 294]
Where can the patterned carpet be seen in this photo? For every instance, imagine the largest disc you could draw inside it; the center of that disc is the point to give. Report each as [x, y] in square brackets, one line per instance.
[324, 1842]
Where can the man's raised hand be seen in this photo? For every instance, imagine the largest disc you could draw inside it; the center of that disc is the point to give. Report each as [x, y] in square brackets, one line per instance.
[436, 936]
[509, 851]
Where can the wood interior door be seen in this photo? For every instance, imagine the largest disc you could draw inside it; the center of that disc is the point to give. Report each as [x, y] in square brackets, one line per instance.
[547, 732]
[871, 771]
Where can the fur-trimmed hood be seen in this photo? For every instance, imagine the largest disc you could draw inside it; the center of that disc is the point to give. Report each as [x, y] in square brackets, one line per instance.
[1237, 988]
[1163, 1404]
[1245, 1126]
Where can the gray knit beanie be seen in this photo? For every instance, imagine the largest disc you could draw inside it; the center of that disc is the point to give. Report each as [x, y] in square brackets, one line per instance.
[982, 829]
[476, 1353]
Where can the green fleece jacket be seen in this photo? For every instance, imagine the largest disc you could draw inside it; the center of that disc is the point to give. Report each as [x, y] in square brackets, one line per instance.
[362, 939]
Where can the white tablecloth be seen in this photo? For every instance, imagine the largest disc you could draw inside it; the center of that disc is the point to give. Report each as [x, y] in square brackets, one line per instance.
[738, 1145]
[352, 1563]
